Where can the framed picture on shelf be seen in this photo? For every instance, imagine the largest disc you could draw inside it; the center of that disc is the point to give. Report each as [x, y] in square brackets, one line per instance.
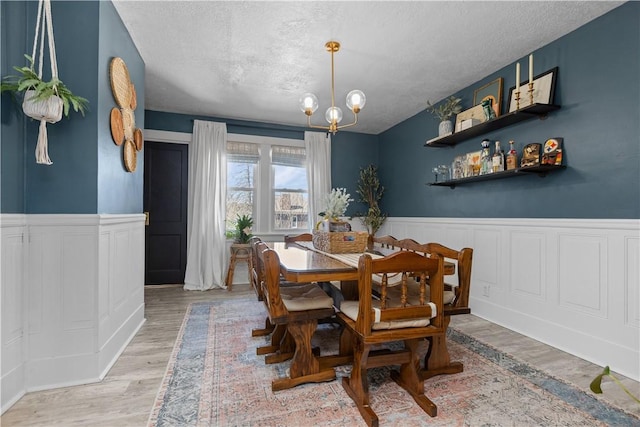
[491, 91]
[544, 89]
[476, 114]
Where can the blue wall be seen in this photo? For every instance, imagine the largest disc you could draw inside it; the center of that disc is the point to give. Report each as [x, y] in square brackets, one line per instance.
[118, 190]
[12, 127]
[71, 184]
[599, 90]
[349, 151]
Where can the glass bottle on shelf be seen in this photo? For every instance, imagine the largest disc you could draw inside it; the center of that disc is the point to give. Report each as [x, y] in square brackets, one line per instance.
[512, 157]
[497, 162]
[485, 157]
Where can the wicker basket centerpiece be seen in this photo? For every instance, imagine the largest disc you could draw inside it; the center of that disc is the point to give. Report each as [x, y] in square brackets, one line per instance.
[340, 242]
[334, 236]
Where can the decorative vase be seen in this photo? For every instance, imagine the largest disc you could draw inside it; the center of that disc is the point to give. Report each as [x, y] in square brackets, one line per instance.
[445, 127]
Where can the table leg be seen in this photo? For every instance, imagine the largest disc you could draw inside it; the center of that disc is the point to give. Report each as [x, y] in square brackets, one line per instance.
[349, 289]
[305, 367]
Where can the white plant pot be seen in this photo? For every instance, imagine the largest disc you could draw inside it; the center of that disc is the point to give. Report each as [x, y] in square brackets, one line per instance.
[49, 109]
[445, 127]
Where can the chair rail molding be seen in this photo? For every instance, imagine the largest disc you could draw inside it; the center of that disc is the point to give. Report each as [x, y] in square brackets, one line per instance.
[76, 298]
[570, 283]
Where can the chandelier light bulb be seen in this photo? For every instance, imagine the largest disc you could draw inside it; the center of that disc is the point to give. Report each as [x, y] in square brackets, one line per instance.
[333, 115]
[308, 103]
[356, 100]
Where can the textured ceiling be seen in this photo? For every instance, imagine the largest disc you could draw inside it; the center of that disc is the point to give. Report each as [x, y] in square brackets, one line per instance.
[253, 60]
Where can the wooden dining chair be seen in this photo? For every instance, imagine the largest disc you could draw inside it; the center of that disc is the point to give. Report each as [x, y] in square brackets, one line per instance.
[456, 301]
[298, 307]
[281, 345]
[437, 360]
[371, 321]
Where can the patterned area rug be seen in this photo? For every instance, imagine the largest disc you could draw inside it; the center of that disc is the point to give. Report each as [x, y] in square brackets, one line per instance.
[215, 378]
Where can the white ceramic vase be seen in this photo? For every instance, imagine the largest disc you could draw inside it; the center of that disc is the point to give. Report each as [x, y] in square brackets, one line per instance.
[445, 127]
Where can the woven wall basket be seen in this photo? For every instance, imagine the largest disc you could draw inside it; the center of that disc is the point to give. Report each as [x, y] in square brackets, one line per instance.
[49, 110]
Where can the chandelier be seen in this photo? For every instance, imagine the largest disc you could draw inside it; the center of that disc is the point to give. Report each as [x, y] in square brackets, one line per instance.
[355, 101]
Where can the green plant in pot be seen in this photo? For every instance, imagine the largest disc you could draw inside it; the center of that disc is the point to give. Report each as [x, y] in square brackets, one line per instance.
[243, 229]
[444, 111]
[35, 89]
[370, 192]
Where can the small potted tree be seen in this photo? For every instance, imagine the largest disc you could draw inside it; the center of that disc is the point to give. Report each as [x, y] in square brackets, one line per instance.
[370, 192]
[444, 111]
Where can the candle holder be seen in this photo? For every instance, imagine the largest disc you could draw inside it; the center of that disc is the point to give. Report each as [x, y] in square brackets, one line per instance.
[517, 96]
[530, 93]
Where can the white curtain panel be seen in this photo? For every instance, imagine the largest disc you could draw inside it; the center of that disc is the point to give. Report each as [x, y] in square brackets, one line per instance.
[206, 242]
[318, 147]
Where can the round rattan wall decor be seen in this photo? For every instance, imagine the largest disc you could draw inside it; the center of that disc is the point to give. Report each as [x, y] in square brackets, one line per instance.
[117, 129]
[130, 155]
[134, 97]
[120, 82]
[138, 138]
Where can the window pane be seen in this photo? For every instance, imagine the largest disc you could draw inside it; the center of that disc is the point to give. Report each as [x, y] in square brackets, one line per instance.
[290, 178]
[240, 175]
[240, 191]
[239, 202]
[291, 198]
[291, 210]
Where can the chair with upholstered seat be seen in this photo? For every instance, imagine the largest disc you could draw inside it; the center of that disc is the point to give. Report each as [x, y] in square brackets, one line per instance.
[456, 301]
[298, 307]
[371, 321]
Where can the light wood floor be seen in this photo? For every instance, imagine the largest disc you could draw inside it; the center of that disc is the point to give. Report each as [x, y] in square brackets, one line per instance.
[125, 396]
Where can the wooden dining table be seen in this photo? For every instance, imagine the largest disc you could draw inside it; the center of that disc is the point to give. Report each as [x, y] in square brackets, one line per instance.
[300, 262]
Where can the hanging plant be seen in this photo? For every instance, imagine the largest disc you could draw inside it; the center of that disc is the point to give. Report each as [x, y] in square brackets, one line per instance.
[36, 90]
[43, 100]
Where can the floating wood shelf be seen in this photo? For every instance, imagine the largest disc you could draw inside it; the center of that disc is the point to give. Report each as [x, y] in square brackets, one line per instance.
[541, 171]
[526, 113]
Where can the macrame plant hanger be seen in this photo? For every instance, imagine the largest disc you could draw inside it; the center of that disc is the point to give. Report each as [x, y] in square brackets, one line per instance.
[46, 110]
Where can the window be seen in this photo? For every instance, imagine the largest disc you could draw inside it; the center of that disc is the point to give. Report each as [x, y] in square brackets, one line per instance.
[267, 179]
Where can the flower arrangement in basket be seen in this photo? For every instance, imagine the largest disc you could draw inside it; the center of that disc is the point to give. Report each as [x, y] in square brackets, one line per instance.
[336, 203]
[331, 234]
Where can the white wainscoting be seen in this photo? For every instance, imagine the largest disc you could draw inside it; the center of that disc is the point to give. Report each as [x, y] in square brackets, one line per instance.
[570, 283]
[12, 283]
[72, 298]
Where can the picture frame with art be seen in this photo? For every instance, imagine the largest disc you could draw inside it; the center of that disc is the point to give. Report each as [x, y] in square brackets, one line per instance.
[544, 89]
[491, 91]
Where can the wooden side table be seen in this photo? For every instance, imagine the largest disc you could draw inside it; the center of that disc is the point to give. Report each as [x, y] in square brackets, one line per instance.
[239, 252]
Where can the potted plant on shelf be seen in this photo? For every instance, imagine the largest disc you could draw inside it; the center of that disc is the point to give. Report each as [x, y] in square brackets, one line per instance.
[444, 111]
[243, 230]
[370, 192]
